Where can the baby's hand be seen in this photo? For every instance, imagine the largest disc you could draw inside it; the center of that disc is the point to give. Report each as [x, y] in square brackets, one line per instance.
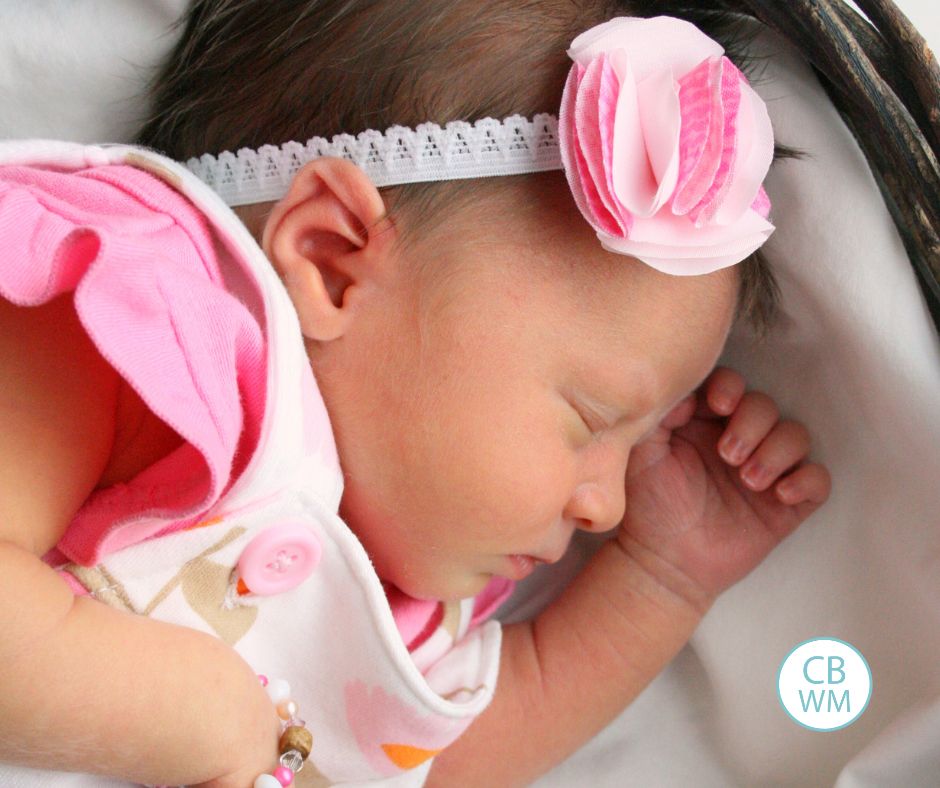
[718, 485]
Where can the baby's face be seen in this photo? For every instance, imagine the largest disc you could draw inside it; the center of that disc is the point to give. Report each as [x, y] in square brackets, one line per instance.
[481, 420]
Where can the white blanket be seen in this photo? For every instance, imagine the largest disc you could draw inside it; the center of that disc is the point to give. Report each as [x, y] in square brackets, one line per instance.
[855, 357]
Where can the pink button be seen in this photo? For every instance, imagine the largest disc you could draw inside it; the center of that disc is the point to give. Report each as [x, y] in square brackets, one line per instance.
[279, 558]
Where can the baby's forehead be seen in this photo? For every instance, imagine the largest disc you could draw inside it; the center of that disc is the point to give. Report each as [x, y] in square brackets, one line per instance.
[524, 239]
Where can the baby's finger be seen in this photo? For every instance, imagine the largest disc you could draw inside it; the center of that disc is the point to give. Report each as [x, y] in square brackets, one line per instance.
[680, 414]
[754, 417]
[810, 482]
[785, 446]
[720, 393]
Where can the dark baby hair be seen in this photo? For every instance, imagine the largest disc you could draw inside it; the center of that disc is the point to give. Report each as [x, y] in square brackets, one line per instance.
[252, 72]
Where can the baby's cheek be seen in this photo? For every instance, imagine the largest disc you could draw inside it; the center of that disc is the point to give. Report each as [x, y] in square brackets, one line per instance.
[535, 492]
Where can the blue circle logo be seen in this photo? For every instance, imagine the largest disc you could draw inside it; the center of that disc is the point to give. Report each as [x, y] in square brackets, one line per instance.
[824, 684]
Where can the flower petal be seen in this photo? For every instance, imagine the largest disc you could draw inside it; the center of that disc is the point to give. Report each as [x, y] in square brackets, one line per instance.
[700, 143]
[661, 119]
[592, 93]
[606, 119]
[634, 185]
[645, 41]
[666, 244]
[729, 97]
[761, 203]
[584, 193]
[754, 162]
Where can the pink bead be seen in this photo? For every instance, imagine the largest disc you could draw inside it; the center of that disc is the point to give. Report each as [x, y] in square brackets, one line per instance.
[263, 679]
[284, 775]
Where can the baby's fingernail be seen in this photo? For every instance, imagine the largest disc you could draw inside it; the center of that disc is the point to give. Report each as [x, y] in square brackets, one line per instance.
[754, 474]
[788, 492]
[732, 449]
[721, 402]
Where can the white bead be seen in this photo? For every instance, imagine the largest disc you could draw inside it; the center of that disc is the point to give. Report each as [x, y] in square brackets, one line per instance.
[267, 781]
[278, 690]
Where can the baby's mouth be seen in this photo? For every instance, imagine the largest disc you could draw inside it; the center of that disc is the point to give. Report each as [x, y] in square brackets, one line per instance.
[520, 566]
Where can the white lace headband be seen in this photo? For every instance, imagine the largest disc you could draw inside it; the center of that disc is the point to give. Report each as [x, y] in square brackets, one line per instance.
[663, 142]
[401, 155]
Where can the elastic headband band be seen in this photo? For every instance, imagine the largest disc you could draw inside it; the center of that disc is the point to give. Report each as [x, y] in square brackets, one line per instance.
[487, 148]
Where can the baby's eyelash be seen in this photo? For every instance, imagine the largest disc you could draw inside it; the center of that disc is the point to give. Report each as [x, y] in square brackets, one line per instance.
[594, 424]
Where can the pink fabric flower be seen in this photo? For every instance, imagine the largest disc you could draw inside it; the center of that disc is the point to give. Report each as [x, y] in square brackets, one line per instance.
[665, 145]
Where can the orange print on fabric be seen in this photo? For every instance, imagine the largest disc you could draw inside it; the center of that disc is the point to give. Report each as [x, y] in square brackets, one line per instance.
[405, 757]
[203, 524]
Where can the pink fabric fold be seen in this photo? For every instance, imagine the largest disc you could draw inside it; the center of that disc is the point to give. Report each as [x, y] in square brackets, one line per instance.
[141, 263]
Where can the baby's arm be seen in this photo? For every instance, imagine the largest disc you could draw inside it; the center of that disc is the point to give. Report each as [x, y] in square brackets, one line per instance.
[696, 522]
[85, 687]
[569, 672]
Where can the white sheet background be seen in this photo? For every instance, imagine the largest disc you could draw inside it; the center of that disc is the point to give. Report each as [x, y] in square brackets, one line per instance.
[855, 358]
[925, 14]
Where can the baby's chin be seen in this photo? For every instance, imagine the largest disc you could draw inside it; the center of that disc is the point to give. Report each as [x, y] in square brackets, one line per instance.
[438, 587]
[421, 576]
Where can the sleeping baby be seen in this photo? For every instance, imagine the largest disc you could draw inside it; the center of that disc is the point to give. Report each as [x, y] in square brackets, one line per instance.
[280, 438]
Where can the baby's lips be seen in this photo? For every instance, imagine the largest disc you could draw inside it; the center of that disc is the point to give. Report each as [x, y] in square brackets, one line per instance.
[552, 557]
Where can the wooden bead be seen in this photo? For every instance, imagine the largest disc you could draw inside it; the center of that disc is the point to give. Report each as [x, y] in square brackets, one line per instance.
[296, 738]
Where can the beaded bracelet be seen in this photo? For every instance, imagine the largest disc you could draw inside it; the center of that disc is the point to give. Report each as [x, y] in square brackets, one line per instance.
[296, 741]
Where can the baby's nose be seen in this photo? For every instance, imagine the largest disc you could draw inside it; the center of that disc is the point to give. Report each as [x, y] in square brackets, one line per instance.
[597, 507]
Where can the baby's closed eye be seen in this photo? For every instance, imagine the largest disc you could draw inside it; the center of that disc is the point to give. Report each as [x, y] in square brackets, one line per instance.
[592, 420]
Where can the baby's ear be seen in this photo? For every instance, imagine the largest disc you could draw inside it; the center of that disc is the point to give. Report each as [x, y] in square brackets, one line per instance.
[329, 244]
